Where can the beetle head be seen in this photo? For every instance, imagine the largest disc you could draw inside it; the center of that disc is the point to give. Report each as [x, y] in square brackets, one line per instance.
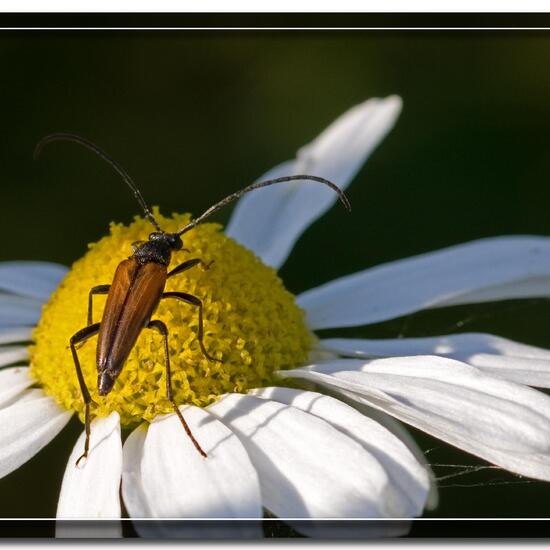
[173, 240]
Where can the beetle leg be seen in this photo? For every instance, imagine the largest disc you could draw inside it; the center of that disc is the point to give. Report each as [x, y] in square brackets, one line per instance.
[81, 336]
[161, 327]
[194, 301]
[188, 265]
[101, 289]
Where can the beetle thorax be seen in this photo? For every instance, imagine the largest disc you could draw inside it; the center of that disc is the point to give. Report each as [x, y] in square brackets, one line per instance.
[158, 248]
[158, 251]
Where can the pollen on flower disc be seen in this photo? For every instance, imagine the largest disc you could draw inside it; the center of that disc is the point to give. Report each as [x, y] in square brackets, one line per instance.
[251, 323]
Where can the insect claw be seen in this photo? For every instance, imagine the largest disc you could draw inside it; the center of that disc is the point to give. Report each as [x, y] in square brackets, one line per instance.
[82, 456]
[208, 356]
[206, 267]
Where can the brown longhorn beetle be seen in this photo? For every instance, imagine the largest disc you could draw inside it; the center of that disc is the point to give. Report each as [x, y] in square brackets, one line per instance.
[138, 286]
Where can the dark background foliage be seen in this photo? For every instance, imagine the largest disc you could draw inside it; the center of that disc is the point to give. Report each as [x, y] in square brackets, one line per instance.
[195, 115]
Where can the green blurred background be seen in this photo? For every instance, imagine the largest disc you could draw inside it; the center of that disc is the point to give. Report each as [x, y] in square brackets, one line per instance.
[195, 115]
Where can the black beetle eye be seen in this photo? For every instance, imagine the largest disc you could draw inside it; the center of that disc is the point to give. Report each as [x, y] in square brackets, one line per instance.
[177, 242]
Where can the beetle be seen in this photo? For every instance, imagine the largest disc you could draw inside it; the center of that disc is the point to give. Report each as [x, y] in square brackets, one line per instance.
[138, 287]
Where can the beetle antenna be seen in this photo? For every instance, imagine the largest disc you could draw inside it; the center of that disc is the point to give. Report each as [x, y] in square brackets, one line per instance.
[252, 187]
[98, 151]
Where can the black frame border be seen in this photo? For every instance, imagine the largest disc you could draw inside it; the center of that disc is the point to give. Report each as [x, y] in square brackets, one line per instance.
[424, 528]
[278, 21]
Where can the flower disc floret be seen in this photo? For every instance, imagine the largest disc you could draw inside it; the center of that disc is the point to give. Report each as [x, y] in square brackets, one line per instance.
[251, 323]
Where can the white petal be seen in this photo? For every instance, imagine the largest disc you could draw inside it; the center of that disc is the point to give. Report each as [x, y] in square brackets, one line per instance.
[502, 422]
[165, 477]
[497, 268]
[18, 310]
[13, 382]
[307, 468]
[91, 490]
[33, 279]
[29, 395]
[12, 354]
[269, 221]
[492, 354]
[15, 334]
[133, 495]
[409, 481]
[26, 427]
[188, 485]
[397, 429]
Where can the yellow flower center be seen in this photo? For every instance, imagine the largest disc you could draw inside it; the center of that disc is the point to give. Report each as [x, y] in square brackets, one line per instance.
[251, 323]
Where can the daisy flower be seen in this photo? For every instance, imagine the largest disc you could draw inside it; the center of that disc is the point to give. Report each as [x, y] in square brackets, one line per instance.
[271, 444]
